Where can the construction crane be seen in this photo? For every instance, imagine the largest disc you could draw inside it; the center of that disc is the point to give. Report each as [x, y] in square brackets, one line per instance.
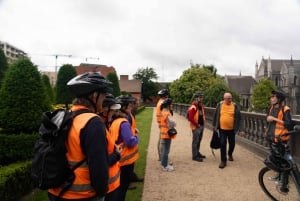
[86, 59]
[56, 57]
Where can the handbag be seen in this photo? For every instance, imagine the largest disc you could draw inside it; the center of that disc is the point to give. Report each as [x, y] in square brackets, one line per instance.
[215, 142]
[172, 132]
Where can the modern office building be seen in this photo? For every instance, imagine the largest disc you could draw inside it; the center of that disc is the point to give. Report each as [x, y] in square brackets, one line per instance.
[11, 52]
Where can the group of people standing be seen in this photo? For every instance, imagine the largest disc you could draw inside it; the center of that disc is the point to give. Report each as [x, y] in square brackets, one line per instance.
[105, 136]
[226, 122]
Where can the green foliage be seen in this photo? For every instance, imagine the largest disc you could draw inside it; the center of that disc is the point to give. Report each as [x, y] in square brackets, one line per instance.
[22, 98]
[194, 79]
[115, 83]
[261, 93]
[3, 65]
[48, 88]
[63, 94]
[15, 181]
[10, 147]
[149, 88]
[214, 94]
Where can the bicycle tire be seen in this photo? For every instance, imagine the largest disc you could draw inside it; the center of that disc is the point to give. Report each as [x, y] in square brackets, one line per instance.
[272, 188]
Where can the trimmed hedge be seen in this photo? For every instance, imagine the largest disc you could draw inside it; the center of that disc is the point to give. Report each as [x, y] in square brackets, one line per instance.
[15, 181]
[14, 148]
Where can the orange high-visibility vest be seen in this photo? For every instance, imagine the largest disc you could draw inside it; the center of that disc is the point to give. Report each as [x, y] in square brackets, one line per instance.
[279, 127]
[158, 111]
[114, 170]
[81, 187]
[164, 127]
[196, 116]
[129, 154]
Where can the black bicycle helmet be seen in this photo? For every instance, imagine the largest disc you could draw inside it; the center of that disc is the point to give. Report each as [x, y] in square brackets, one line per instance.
[109, 100]
[124, 100]
[277, 164]
[163, 92]
[279, 94]
[166, 103]
[198, 94]
[87, 83]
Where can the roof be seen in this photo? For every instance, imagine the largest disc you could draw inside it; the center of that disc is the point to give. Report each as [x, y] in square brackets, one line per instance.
[103, 69]
[240, 84]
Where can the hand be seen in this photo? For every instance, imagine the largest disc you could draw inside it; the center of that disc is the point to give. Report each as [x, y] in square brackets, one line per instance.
[118, 149]
[242, 133]
[270, 118]
[137, 131]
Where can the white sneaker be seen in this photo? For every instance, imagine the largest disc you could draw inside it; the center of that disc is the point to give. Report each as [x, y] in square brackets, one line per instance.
[168, 168]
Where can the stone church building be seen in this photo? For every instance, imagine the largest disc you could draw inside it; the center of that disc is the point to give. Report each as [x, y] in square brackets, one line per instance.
[285, 74]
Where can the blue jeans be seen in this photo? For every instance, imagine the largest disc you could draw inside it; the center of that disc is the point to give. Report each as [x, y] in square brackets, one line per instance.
[166, 145]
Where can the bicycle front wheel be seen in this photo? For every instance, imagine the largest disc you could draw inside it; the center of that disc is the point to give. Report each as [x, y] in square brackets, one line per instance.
[272, 186]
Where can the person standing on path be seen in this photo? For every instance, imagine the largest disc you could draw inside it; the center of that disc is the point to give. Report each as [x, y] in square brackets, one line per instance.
[196, 117]
[167, 122]
[227, 120]
[163, 95]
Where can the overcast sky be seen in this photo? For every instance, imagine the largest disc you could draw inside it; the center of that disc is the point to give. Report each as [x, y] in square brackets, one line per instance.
[167, 35]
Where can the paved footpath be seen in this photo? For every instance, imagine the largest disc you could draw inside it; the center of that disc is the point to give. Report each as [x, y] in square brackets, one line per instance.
[197, 181]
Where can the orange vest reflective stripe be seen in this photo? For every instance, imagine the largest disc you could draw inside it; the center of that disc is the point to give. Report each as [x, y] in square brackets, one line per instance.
[114, 170]
[279, 127]
[158, 111]
[129, 154]
[133, 124]
[163, 125]
[196, 116]
[81, 187]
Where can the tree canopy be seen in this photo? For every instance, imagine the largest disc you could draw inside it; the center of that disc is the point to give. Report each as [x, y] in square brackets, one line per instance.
[22, 98]
[196, 78]
[261, 93]
[113, 77]
[149, 87]
[63, 94]
[3, 65]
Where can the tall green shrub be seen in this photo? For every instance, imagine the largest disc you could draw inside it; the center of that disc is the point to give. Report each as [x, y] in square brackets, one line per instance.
[63, 94]
[3, 65]
[22, 98]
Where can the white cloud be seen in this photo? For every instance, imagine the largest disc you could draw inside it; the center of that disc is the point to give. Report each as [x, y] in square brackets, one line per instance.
[163, 34]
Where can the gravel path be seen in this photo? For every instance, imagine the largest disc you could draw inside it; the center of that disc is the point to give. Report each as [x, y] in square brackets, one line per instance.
[194, 181]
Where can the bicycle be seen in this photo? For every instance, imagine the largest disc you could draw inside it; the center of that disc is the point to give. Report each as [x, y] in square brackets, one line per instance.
[280, 179]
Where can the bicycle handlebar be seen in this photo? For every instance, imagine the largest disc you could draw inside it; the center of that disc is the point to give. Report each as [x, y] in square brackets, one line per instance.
[295, 130]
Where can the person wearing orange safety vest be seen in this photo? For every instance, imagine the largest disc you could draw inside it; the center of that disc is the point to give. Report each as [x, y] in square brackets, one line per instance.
[167, 122]
[128, 139]
[197, 121]
[109, 108]
[86, 142]
[279, 116]
[163, 95]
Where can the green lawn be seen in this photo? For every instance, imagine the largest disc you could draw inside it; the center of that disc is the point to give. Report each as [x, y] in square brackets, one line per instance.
[144, 120]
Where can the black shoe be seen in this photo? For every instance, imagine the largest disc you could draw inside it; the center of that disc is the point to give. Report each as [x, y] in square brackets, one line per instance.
[131, 187]
[230, 158]
[201, 155]
[222, 164]
[197, 159]
[136, 178]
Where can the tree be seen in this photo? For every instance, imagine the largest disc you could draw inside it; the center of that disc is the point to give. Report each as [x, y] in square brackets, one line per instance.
[22, 98]
[115, 83]
[48, 88]
[149, 88]
[63, 94]
[261, 93]
[196, 78]
[214, 94]
[3, 65]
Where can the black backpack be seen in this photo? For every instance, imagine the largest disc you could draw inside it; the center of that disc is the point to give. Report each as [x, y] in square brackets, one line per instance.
[50, 167]
[215, 142]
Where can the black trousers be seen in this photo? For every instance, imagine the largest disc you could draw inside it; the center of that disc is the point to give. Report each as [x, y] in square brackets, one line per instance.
[230, 136]
[125, 178]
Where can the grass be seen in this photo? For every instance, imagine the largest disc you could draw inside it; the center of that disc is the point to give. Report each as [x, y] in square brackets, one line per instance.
[144, 120]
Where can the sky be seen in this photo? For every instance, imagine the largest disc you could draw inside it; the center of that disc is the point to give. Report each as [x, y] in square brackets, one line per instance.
[166, 35]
